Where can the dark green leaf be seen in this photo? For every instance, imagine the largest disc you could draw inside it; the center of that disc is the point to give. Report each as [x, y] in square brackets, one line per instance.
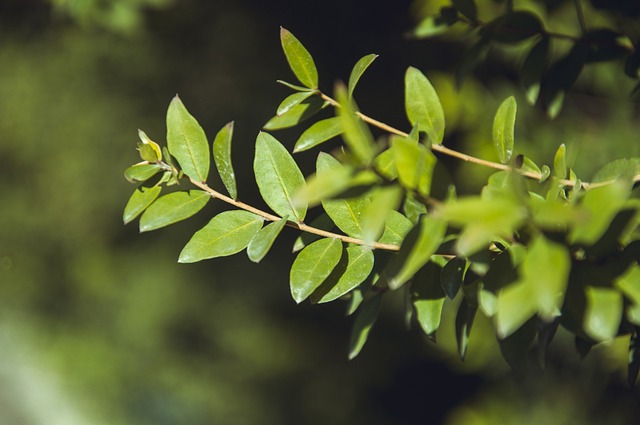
[139, 173]
[227, 233]
[423, 106]
[278, 177]
[561, 76]
[141, 198]
[359, 68]
[356, 133]
[365, 319]
[323, 221]
[513, 27]
[351, 271]
[605, 45]
[319, 132]
[467, 8]
[264, 239]
[603, 313]
[452, 275]
[632, 64]
[222, 158]
[427, 298]
[312, 266]
[533, 68]
[504, 128]
[546, 332]
[356, 299]
[634, 357]
[172, 208]
[187, 142]
[299, 59]
[464, 321]
[296, 114]
[474, 55]
[515, 347]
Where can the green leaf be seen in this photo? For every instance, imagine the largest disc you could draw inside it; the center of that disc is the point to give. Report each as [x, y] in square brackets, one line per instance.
[414, 163]
[264, 239]
[295, 87]
[365, 319]
[533, 68]
[634, 358]
[374, 217]
[396, 228]
[359, 68]
[226, 234]
[629, 284]
[318, 133]
[299, 59]
[513, 27]
[187, 142]
[152, 153]
[292, 101]
[278, 177]
[312, 266]
[452, 276]
[222, 158]
[464, 321]
[141, 198]
[356, 133]
[603, 313]
[516, 306]
[472, 57]
[427, 298]
[560, 163]
[423, 106]
[503, 129]
[356, 299]
[624, 167]
[139, 173]
[421, 242]
[350, 272]
[323, 221]
[467, 8]
[413, 208]
[172, 208]
[385, 164]
[296, 114]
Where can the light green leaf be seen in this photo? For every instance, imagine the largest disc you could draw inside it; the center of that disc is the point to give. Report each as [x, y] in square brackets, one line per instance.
[625, 167]
[396, 228]
[374, 216]
[264, 239]
[222, 158]
[350, 272]
[227, 233]
[423, 106]
[278, 177]
[299, 59]
[560, 163]
[187, 142]
[414, 163]
[346, 213]
[365, 319]
[421, 242]
[629, 284]
[172, 208]
[356, 133]
[413, 208]
[141, 198]
[156, 154]
[318, 133]
[139, 173]
[296, 114]
[295, 87]
[515, 306]
[312, 266]
[359, 68]
[504, 129]
[323, 221]
[385, 164]
[603, 313]
[292, 100]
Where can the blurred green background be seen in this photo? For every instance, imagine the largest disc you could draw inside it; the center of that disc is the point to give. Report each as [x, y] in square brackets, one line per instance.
[100, 325]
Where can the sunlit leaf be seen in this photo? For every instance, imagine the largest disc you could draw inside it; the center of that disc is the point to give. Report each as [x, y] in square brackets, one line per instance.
[396, 228]
[299, 59]
[227, 233]
[385, 164]
[423, 106]
[292, 101]
[603, 313]
[141, 198]
[296, 114]
[312, 266]
[264, 239]
[153, 152]
[222, 158]
[503, 129]
[172, 208]
[516, 306]
[278, 177]
[359, 68]
[414, 163]
[427, 298]
[139, 173]
[560, 163]
[357, 135]
[365, 319]
[382, 202]
[187, 142]
[351, 271]
[624, 167]
[319, 132]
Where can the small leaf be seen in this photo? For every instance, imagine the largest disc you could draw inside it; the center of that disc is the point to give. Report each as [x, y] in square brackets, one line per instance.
[350, 272]
[560, 163]
[187, 142]
[264, 239]
[603, 313]
[545, 173]
[374, 216]
[139, 173]
[278, 177]
[423, 106]
[452, 276]
[359, 68]
[366, 318]
[413, 208]
[356, 299]
[318, 133]
[464, 321]
[312, 266]
[296, 114]
[299, 59]
[292, 101]
[141, 198]
[227, 233]
[503, 129]
[396, 228]
[222, 158]
[172, 208]
[356, 133]
[150, 144]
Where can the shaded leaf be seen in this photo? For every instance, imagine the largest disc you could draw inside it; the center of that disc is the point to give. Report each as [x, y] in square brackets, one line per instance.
[299, 59]
[359, 68]
[187, 142]
[319, 132]
[503, 129]
[356, 300]
[427, 298]
[603, 313]
[278, 177]
[351, 271]
[624, 167]
[513, 27]
[323, 221]
[464, 321]
[423, 106]
[561, 76]
[141, 198]
[312, 266]
[296, 114]
[533, 68]
[374, 216]
[172, 208]
[227, 233]
[222, 158]
[452, 275]
[634, 357]
[356, 133]
[605, 45]
[365, 319]
[470, 60]
[514, 348]
[264, 239]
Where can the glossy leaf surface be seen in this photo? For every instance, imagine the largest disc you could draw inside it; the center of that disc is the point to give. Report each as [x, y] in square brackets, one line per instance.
[350, 272]
[292, 101]
[139, 173]
[172, 208]
[423, 105]
[222, 158]
[312, 266]
[296, 114]
[264, 239]
[299, 59]
[504, 129]
[318, 133]
[141, 198]
[358, 69]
